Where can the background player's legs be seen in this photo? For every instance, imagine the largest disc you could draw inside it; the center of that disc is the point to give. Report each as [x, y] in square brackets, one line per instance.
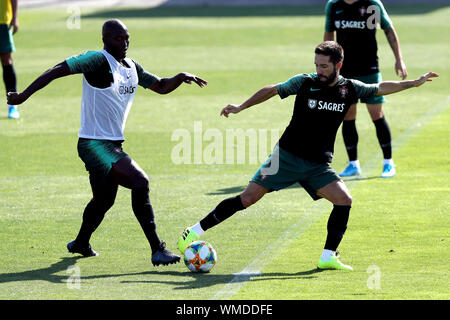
[337, 193]
[382, 128]
[350, 135]
[104, 192]
[9, 78]
[384, 137]
[127, 173]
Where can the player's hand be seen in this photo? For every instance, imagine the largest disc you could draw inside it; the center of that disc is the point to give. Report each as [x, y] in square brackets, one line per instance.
[231, 108]
[400, 69]
[426, 77]
[15, 98]
[188, 78]
[14, 25]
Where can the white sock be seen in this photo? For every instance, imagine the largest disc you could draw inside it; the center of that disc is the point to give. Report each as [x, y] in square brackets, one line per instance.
[355, 163]
[326, 254]
[388, 161]
[198, 229]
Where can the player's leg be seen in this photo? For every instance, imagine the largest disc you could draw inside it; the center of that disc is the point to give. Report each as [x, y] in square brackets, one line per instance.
[127, 173]
[9, 75]
[224, 210]
[337, 193]
[350, 135]
[384, 137]
[104, 191]
[10, 81]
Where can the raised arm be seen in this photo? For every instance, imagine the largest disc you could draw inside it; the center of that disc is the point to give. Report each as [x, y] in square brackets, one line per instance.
[260, 96]
[167, 85]
[388, 87]
[58, 71]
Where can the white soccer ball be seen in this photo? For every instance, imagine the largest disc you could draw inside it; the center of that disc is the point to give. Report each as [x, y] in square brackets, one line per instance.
[200, 256]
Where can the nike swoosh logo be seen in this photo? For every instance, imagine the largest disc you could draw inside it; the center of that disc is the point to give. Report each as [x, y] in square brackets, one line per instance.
[339, 11]
[314, 89]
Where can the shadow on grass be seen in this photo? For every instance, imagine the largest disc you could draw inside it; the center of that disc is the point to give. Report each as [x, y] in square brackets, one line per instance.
[239, 189]
[199, 280]
[358, 178]
[196, 280]
[245, 11]
[46, 274]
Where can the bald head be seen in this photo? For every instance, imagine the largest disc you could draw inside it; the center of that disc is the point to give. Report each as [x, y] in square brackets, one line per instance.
[113, 26]
[115, 38]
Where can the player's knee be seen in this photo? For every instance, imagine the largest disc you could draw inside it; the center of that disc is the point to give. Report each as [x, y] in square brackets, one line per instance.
[6, 59]
[142, 183]
[102, 204]
[345, 200]
[248, 199]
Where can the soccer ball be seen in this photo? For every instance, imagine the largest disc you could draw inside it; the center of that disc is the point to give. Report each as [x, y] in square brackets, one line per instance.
[200, 256]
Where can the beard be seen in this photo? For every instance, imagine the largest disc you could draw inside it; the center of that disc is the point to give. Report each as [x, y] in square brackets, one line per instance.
[330, 78]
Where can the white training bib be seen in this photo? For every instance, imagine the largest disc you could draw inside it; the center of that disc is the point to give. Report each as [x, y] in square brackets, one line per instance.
[105, 111]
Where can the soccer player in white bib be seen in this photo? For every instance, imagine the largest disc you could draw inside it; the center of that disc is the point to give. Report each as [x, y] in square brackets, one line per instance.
[110, 81]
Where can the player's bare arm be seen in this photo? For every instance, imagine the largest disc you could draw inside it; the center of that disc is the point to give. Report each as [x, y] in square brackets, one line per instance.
[260, 96]
[400, 67]
[14, 21]
[167, 85]
[328, 36]
[58, 71]
[388, 87]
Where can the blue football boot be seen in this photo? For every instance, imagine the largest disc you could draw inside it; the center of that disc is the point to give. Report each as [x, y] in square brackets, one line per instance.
[351, 170]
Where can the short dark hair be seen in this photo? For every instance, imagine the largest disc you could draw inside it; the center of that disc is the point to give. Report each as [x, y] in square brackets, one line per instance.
[331, 49]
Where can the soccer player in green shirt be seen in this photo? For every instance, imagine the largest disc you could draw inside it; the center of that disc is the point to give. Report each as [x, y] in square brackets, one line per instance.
[354, 22]
[9, 24]
[306, 147]
[110, 81]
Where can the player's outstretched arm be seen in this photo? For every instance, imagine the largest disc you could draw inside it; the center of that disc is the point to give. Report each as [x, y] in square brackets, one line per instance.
[388, 87]
[167, 85]
[260, 96]
[58, 71]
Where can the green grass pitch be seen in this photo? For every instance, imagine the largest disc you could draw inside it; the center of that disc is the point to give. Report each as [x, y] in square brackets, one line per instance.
[398, 234]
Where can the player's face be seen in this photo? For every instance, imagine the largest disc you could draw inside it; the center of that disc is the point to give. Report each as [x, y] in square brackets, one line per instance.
[326, 70]
[117, 42]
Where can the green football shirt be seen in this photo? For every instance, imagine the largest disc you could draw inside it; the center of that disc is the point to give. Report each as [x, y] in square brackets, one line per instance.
[96, 69]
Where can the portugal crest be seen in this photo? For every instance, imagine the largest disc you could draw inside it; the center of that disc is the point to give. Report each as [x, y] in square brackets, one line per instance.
[362, 10]
[312, 103]
[343, 91]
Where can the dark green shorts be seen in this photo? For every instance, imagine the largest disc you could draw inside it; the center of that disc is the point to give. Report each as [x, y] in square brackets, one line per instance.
[283, 169]
[6, 39]
[99, 155]
[371, 78]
